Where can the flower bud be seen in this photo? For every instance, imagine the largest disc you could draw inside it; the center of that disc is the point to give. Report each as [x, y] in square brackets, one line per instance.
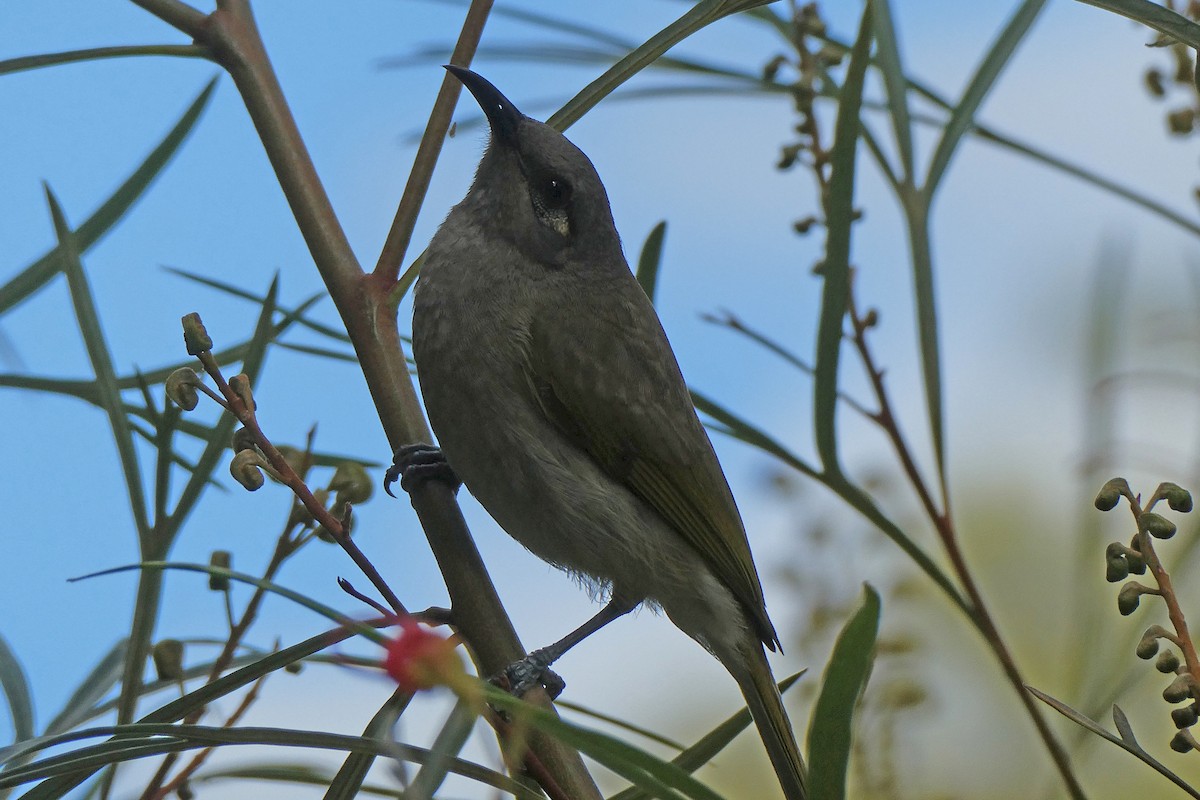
[168, 659]
[222, 559]
[1184, 717]
[1179, 689]
[1156, 525]
[240, 384]
[181, 388]
[1116, 567]
[352, 483]
[195, 337]
[246, 470]
[243, 439]
[1148, 646]
[1167, 662]
[1178, 498]
[1110, 494]
[1129, 597]
[1181, 743]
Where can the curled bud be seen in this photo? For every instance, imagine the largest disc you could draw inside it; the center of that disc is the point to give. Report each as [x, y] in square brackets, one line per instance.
[1110, 494]
[222, 559]
[1184, 717]
[1167, 662]
[1178, 498]
[1129, 597]
[1156, 525]
[1135, 562]
[1116, 567]
[240, 384]
[1181, 742]
[1148, 646]
[871, 318]
[1180, 689]
[181, 388]
[246, 469]
[168, 660]
[243, 439]
[352, 483]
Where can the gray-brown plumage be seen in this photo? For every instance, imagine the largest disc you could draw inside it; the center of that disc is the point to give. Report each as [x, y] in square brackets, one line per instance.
[556, 399]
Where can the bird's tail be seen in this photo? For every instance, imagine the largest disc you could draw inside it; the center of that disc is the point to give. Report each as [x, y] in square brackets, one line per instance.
[766, 707]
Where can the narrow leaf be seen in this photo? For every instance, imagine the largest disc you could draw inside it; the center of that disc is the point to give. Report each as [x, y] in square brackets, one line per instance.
[95, 53]
[829, 736]
[650, 259]
[887, 59]
[349, 779]
[981, 83]
[1128, 745]
[16, 692]
[98, 683]
[1123, 726]
[110, 212]
[1153, 15]
[696, 18]
[839, 212]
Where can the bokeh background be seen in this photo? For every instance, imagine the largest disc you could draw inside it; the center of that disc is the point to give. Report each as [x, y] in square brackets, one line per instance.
[1037, 414]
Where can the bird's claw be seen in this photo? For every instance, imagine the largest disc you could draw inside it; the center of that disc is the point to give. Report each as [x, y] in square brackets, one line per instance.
[416, 463]
[530, 671]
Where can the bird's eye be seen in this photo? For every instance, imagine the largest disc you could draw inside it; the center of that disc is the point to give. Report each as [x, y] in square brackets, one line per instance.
[556, 193]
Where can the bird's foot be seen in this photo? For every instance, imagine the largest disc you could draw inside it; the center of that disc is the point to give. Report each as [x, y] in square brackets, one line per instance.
[530, 671]
[417, 463]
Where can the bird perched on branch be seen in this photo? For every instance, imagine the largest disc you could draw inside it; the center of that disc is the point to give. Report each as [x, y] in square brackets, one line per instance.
[557, 401]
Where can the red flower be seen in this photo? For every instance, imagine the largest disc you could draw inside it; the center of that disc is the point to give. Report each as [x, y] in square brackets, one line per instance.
[420, 659]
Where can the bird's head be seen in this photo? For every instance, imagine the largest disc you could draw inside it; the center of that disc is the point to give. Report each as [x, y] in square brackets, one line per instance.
[535, 188]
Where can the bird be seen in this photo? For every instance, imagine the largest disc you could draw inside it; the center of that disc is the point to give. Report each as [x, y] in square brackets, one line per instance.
[556, 399]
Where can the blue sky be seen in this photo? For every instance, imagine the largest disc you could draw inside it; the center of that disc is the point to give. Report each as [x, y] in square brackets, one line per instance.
[1016, 243]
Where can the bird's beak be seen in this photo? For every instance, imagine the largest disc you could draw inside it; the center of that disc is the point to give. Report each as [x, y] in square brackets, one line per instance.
[502, 115]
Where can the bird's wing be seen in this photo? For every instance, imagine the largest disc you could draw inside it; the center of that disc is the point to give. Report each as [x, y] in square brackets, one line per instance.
[621, 398]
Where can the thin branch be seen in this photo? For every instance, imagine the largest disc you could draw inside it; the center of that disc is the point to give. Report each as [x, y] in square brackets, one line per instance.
[396, 245]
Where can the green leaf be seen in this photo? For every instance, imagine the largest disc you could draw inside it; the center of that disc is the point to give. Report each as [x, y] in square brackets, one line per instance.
[1155, 16]
[16, 692]
[696, 18]
[11, 65]
[650, 259]
[839, 212]
[1126, 741]
[349, 779]
[887, 59]
[98, 683]
[107, 389]
[657, 777]
[199, 698]
[37, 274]
[829, 735]
[141, 740]
[962, 115]
[709, 745]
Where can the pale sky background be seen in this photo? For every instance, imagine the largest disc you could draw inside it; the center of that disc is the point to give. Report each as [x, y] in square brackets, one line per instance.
[1017, 247]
